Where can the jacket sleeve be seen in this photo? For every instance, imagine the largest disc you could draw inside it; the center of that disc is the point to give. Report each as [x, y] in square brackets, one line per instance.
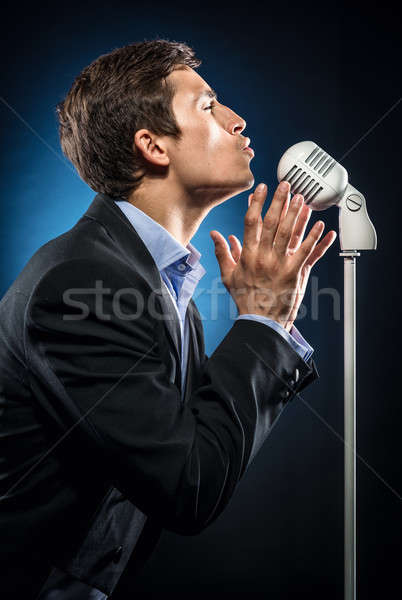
[179, 463]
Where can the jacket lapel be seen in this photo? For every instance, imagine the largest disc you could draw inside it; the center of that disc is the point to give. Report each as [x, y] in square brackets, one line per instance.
[104, 210]
[195, 350]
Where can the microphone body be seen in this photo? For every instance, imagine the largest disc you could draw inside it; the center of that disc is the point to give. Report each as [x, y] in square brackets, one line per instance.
[323, 182]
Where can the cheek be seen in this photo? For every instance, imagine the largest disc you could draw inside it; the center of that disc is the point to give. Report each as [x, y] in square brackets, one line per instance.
[213, 139]
[204, 138]
[203, 146]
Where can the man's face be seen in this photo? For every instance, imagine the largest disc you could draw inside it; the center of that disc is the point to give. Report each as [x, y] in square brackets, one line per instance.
[209, 160]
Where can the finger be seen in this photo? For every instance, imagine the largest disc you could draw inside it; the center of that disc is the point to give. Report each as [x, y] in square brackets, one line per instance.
[272, 217]
[305, 274]
[285, 208]
[253, 218]
[235, 247]
[223, 255]
[307, 247]
[286, 228]
[284, 211]
[259, 226]
[300, 227]
[321, 248]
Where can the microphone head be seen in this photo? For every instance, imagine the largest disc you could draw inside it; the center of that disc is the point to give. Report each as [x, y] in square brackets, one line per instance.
[313, 173]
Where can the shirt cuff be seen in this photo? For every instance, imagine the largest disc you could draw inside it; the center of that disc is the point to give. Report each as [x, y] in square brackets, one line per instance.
[294, 337]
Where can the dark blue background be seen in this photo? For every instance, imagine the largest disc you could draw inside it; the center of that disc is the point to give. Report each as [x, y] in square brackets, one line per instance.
[325, 73]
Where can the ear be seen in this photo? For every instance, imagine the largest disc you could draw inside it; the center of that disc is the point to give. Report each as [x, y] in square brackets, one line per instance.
[151, 147]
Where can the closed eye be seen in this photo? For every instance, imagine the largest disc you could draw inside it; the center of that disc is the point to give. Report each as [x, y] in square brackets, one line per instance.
[210, 107]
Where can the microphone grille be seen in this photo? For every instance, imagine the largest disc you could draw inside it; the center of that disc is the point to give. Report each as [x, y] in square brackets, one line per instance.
[302, 182]
[320, 161]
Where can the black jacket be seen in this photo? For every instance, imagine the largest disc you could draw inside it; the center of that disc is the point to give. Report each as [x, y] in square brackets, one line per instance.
[98, 452]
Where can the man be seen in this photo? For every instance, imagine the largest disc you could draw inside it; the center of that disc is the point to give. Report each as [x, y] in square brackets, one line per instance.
[115, 422]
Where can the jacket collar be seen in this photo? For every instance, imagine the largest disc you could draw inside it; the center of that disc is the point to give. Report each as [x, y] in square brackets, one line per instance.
[104, 210]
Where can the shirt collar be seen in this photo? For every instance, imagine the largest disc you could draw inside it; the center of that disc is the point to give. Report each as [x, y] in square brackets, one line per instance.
[163, 247]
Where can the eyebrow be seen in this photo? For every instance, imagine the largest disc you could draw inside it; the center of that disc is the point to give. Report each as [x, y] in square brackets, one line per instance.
[210, 93]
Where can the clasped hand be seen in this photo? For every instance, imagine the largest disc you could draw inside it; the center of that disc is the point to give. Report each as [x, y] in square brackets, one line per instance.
[268, 275]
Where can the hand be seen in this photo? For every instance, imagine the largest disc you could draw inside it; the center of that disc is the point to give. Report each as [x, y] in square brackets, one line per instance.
[319, 251]
[297, 236]
[269, 274]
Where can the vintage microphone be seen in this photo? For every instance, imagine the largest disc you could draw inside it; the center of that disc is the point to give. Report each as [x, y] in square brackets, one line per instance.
[323, 182]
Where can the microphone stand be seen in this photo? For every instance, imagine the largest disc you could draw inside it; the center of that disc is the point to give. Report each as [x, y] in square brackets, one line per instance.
[356, 232]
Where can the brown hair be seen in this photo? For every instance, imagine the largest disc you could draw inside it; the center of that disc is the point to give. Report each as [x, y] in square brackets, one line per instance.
[113, 97]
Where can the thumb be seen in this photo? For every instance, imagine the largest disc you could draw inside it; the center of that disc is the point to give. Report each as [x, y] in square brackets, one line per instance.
[223, 254]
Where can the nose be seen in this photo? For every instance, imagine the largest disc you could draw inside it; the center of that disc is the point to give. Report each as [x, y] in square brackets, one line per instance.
[238, 125]
[233, 123]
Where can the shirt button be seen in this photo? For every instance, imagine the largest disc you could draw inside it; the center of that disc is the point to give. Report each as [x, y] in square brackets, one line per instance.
[181, 267]
[296, 375]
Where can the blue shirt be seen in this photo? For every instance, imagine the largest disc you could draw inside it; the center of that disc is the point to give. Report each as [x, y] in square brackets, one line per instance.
[179, 267]
[180, 270]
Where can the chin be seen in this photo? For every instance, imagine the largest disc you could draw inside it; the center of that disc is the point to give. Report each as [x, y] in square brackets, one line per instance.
[247, 183]
[251, 182]
[224, 189]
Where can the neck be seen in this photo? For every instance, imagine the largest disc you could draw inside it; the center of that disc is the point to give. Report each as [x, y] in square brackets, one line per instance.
[171, 208]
